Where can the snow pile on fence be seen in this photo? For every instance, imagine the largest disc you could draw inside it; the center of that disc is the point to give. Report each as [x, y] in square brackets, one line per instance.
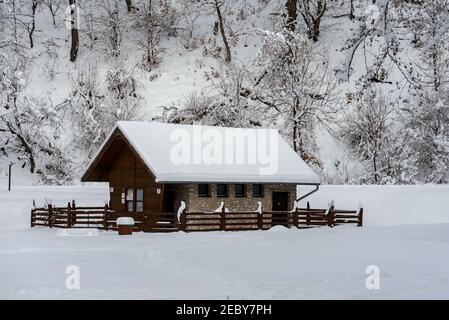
[125, 221]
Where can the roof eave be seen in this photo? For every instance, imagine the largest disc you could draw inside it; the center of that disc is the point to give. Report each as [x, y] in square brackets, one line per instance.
[172, 181]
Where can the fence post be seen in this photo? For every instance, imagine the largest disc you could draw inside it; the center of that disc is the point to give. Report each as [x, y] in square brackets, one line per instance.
[296, 218]
[73, 204]
[184, 220]
[260, 220]
[105, 217]
[308, 205]
[142, 222]
[308, 218]
[68, 215]
[331, 217]
[223, 218]
[32, 217]
[360, 218]
[50, 216]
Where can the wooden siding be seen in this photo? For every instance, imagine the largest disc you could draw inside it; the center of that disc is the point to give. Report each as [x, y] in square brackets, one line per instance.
[125, 171]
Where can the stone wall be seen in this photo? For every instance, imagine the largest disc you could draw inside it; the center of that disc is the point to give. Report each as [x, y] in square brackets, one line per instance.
[189, 193]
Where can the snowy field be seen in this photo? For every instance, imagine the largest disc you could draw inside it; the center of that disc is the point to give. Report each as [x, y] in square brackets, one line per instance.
[406, 236]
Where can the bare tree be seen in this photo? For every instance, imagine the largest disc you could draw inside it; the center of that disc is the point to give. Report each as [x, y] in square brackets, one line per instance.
[312, 12]
[27, 19]
[217, 7]
[129, 6]
[152, 28]
[221, 105]
[94, 111]
[350, 13]
[53, 6]
[218, 4]
[13, 64]
[27, 125]
[351, 10]
[292, 14]
[32, 25]
[297, 92]
[186, 26]
[74, 20]
[112, 26]
[367, 130]
[91, 29]
[430, 29]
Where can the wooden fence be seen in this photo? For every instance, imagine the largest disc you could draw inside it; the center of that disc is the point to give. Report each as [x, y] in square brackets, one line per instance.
[239, 221]
[105, 218]
[81, 217]
[162, 222]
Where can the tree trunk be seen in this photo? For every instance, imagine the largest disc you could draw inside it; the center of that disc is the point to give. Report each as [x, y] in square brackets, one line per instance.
[312, 18]
[29, 152]
[115, 31]
[74, 30]
[375, 169]
[129, 5]
[321, 9]
[295, 132]
[292, 14]
[222, 31]
[436, 82]
[33, 22]
[30, 37]
[26, 147]
[351, 10]
[53, 14]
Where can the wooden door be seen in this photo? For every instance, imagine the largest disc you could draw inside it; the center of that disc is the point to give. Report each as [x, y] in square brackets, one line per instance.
[169, 201]
[280, 201]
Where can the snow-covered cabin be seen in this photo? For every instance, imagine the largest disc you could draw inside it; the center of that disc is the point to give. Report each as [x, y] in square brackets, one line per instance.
[151, 167]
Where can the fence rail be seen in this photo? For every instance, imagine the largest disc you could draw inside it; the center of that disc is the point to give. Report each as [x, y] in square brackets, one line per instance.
[81, 217]
[105, 218]
[238, 221]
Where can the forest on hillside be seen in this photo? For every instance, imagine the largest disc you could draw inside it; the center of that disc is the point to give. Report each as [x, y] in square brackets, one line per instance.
[359, 88]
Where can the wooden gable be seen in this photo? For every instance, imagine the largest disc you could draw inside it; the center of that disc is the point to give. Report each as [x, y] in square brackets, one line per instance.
[116, 152]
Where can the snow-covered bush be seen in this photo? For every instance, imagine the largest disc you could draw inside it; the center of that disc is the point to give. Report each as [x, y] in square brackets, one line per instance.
[94, 111]
[295, 89]
[427, 132]
[366, 128]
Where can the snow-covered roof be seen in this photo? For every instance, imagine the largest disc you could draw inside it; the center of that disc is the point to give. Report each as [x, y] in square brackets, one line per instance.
[192, 153]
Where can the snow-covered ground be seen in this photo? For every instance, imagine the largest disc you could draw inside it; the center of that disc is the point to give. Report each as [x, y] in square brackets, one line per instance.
[281, 264]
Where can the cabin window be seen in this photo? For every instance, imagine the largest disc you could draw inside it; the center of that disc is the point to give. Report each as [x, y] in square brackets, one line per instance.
[130, 200]
[203, 190]
[240, 190]
[222, 190]
[139, 200]
[258, 190]
[134, 200]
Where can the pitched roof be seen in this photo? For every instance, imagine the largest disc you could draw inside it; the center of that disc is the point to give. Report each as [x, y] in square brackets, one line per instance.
[160, 146]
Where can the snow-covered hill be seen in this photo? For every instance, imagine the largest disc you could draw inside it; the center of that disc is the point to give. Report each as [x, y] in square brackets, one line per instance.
[377, 84]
